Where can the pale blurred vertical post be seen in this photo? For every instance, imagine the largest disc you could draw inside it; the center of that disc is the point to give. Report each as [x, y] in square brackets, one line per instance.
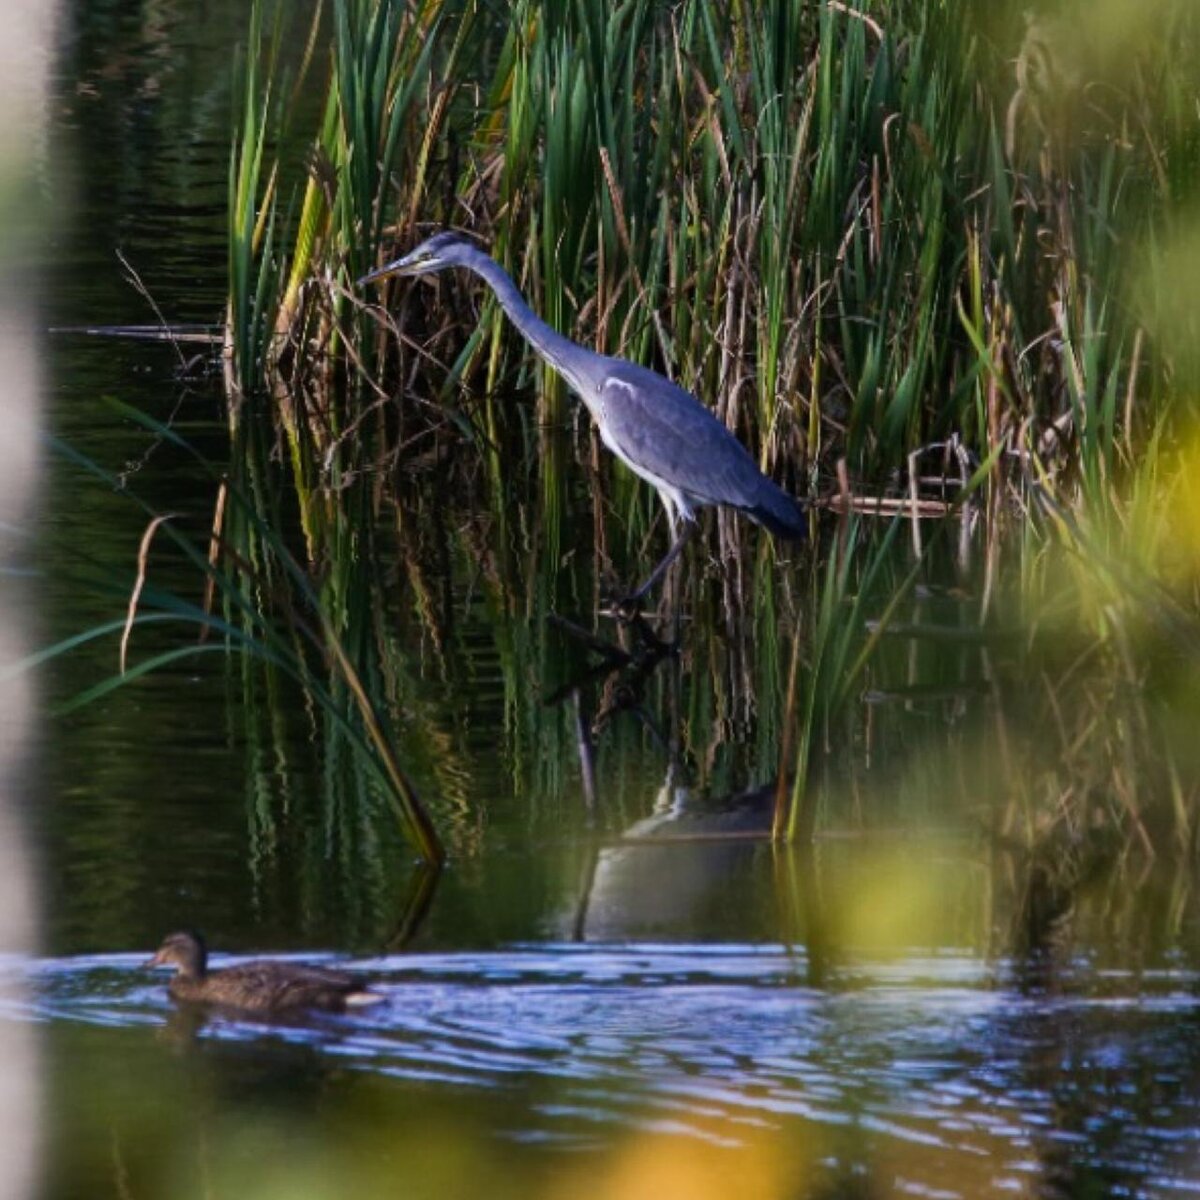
[26, 57]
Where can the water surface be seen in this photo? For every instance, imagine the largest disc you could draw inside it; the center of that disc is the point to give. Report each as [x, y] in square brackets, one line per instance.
[573, 1009]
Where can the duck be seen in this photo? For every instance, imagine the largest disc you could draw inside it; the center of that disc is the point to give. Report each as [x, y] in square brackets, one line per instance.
[262, 986]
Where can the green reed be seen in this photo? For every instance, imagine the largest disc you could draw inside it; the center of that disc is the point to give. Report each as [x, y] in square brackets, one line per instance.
[261, 604]
[706, 193]
[929, 241]
[252, 276]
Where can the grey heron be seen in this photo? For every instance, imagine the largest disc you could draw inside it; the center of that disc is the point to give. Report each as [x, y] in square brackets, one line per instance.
[656, 428]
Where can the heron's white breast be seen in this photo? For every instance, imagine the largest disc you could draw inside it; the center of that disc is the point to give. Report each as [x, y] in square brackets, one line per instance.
[674, 500]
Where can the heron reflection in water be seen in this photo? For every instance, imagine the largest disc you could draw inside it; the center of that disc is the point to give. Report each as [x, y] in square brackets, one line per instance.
[661, 432]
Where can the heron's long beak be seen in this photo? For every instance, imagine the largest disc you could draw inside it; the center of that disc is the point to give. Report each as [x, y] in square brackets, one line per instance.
[399, 267]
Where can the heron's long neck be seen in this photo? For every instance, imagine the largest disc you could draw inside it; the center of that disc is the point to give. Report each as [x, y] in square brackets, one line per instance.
[559, 351]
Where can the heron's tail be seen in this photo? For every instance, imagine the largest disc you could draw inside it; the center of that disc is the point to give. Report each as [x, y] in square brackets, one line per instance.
[778, 512]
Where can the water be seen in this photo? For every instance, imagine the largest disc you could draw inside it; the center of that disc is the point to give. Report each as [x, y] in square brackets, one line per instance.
[680, 1067]
[571, 1010]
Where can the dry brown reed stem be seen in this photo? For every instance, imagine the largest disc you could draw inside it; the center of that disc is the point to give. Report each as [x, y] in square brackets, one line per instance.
[883, 506]
[140, 581]
[856, 15]
[229, 369]
[914, 499]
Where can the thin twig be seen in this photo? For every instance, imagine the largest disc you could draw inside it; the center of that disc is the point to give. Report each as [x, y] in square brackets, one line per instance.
[144, 292]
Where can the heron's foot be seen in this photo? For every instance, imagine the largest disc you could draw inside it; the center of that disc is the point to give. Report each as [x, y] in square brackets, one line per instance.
[626, 609]
[628, 613]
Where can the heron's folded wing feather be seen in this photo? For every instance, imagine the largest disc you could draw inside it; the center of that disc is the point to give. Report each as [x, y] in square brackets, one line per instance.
[669, 434]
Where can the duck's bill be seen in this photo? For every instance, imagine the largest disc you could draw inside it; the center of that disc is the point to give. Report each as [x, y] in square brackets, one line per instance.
[156, 961]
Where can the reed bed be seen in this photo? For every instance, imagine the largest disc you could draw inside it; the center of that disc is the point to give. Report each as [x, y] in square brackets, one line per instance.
[929, 261]
[855, 231]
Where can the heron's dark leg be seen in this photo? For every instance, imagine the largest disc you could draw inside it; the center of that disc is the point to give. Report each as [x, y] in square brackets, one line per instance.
[689, 528]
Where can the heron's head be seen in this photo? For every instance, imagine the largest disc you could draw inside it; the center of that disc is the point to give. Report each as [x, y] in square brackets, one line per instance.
[434, 254]
[185, 951]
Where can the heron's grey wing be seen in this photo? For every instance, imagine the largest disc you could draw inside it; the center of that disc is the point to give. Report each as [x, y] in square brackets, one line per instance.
[667, 434]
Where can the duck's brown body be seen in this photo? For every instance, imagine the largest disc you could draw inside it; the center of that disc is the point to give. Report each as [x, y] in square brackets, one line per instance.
[264, 987]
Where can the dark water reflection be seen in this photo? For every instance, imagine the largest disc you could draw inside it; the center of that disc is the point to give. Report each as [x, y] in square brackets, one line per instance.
[574, 1011]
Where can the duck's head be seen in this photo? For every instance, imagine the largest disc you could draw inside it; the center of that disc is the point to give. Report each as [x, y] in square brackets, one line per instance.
[434, 254]
[183, 950]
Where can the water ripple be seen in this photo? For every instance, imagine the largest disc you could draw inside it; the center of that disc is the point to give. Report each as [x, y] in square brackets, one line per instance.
[712, 1042]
